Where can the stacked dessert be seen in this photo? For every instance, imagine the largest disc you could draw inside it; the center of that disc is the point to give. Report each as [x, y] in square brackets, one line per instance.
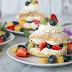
[49, 39]
[31, 19]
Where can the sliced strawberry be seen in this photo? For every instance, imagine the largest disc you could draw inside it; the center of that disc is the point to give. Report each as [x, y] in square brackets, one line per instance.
[11, 27]
[42, 45]
[36, 22]
[56, 47]
[69, 46]
[36, 1]
[53, 16]
[21, 52]
[69, 43]
[1, 41]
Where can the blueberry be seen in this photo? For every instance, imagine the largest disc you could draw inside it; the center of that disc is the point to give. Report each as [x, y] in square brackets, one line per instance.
[49, 46]
[15, 22]
[53, 22]
[26, 45]
[7, 33]
[4, 37]
[27, 3]
[37, 28]
[61, 45]
[66, 58]
[22, 29]
[19, 46]
[69, 52]
[52, 59]
[29, 21]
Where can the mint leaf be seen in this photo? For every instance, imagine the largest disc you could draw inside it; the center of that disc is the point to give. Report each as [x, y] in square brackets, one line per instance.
[26, 33]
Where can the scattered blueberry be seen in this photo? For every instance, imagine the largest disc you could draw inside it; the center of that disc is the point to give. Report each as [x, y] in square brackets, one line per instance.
[37, 28]
[61, 45]
[26, 46]
[19, 46]
[22, 29]
[27, 3]
[29, 21]
[15, 22]
[66, 58]
[53, 22]
[52, 59]
[4, 37]
[69, 52]
[49, 46]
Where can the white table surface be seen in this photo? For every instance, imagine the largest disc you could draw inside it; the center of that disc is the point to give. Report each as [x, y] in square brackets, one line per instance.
[9, 65]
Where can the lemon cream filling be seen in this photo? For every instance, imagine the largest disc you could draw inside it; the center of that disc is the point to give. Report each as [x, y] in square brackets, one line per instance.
[50, 29]
[47, 51]
[31, 8]
[30, 25]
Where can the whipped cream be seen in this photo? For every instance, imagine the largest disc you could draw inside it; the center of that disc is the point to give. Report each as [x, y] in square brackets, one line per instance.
[30, 18]
[30, 25]
[50, 29]
[47, 51]
[31, 8]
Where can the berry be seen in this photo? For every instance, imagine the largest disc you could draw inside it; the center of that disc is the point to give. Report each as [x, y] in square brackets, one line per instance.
[42, 45]
[66, 58]
[29, 21]
[69, 46]
[53, 16]
[52, 59]
[36, 22]
[37, 28]
[26, 45]
[21, 52]
[56, 47]
[19, 46]
[22, 29]
[3, 37]
[49, 46]
[53, 22]
[37, 2]
[69, 52]
[10, 27]
[1, 41]
[27, 3]
[61, 45]
[7, 33]
[15, 22]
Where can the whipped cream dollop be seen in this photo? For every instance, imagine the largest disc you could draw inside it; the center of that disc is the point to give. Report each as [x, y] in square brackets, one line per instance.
[47, 51]
[30, 25]
[51, 29]
[31, 8]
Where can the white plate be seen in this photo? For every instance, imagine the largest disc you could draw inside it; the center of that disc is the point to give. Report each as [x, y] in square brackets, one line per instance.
[31, 60]
[20, 33]
[10, 38]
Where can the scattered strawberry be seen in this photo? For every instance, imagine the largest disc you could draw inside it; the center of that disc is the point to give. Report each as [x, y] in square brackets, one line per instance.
[56, 47]
[69, 46]
[36, 22]
[1, 41]
[42, 45]
[53, 16]
[21, 52]
[36, 1]
[11, 27]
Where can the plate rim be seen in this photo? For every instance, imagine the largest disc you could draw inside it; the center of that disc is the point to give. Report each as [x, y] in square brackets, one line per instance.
[34, 64]
[9, 39]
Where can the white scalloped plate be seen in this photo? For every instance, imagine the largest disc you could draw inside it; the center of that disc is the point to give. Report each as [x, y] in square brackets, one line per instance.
[20, 33]
[10, 38]
[32, 60]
